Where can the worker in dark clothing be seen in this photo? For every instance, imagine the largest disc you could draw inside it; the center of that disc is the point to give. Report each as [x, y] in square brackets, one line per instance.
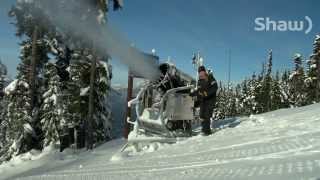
[206, 97]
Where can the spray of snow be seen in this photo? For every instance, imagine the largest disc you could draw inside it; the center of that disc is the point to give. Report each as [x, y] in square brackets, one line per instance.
[107, 41]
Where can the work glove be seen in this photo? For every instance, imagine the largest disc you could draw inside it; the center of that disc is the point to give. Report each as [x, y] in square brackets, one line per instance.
[193, 91]
[200, 96]
[203, 93]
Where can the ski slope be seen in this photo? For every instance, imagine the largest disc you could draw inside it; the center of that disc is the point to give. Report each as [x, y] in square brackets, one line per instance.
[283, 144]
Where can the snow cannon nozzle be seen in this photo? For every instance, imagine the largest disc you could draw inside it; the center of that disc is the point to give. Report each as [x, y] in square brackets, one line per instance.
[171, 77]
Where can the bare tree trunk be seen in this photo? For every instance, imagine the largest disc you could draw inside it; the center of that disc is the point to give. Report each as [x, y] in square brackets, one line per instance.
[91, 103]
[33, 64]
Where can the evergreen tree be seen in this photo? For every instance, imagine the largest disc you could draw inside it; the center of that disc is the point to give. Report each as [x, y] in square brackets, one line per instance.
[285, 88]
[267, 92]
[23, 96]
[255, 93]
[3, 83]
[3, 79]
[313, 74]
[276, 98]
[51, 110]
[20, 117]
[80, 73]
[89, 107]
[266, 86]
[297, 88]
[102, 113]
[220, 109]
[36, 87]
[236, 108]
[245, 98]
[18, 122]
[230, 109]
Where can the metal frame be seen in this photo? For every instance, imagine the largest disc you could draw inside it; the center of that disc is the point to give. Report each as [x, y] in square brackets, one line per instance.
[139, 122]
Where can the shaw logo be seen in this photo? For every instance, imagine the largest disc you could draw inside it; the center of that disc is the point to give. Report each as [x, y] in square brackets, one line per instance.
[266, 24]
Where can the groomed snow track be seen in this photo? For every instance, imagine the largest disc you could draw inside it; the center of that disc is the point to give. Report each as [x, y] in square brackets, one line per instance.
[284, 144]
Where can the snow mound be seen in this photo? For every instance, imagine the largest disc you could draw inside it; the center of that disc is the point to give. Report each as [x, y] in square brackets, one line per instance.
[120, 156]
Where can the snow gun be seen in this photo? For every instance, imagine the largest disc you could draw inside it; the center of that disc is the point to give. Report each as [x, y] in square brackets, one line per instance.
[164, 110]
[164, 107]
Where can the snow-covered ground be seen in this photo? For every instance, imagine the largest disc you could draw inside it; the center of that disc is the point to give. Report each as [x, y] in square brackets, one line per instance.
[284, 144]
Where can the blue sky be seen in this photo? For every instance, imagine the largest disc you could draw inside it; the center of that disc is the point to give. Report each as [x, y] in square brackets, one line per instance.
[177, 28]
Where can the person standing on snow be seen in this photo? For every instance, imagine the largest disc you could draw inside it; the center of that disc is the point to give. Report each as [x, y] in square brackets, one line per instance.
[206, 98]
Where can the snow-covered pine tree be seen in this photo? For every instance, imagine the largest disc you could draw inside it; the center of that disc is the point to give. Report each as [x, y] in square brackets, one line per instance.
[89, 106]
[20, 118]
[297, 96]
[17, 119]
[236, 108]
[255, 93]
[266, 86]
[256, 85]
[31, 20]
[102, 113]
[266, 92]
[313, 74]
[285, 88]
[51, 111]
[80, 75]
[3, 83]
[232, 102]
[24, 94]
[220, 109]
[276, 98]
[245, 98]
[3, 79]
[229, 99]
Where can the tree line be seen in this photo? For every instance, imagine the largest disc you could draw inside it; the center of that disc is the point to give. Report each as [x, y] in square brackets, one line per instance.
[60, 93]
[267, 91]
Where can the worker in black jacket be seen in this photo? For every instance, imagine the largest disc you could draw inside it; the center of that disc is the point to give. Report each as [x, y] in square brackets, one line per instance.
[206, 97]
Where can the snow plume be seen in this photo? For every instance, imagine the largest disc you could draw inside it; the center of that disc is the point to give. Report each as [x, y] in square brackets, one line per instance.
[82, 20]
